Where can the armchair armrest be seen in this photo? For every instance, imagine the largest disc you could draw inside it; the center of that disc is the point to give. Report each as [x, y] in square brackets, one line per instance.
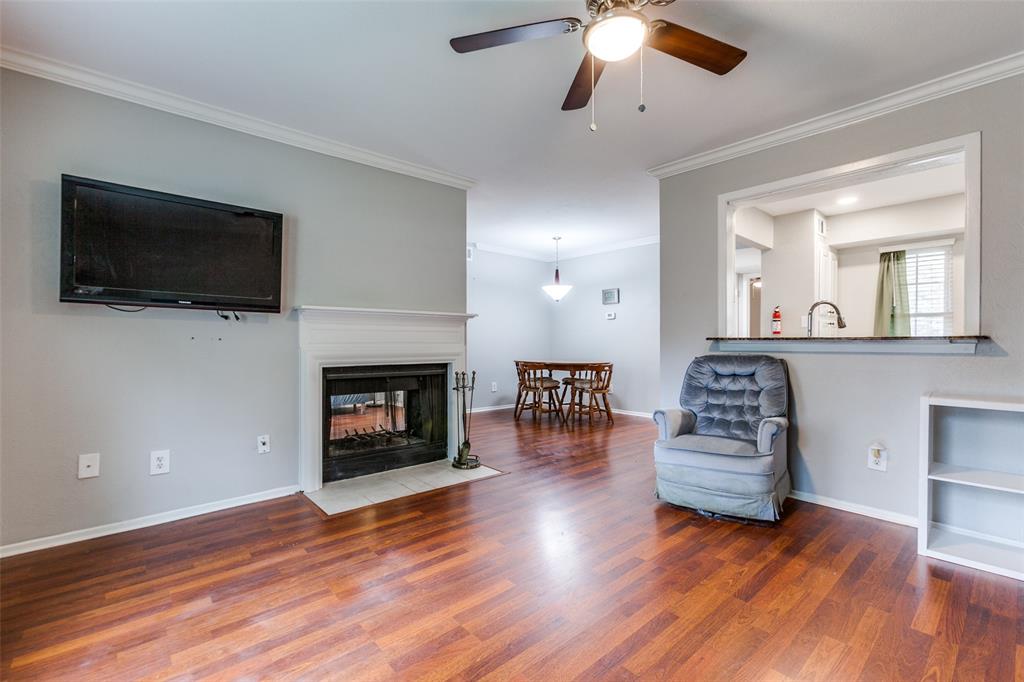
[769, 429]
[674, 422]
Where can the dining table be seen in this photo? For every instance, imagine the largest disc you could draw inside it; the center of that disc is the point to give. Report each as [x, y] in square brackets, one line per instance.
[572, 367]
[564, 365]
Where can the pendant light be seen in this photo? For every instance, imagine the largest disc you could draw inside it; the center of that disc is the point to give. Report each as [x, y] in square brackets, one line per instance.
[556, 291]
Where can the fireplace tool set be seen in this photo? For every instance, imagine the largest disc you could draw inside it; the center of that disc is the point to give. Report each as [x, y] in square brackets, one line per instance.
[465, 385]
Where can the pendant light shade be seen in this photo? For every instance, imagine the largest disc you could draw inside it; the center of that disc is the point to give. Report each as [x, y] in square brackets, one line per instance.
[556, 291]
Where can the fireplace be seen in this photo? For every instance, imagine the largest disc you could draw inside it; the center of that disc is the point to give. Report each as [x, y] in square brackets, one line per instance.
[362, 338]
[381, 417]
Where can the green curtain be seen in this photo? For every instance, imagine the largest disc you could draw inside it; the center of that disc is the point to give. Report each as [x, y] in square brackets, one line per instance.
[892, 302]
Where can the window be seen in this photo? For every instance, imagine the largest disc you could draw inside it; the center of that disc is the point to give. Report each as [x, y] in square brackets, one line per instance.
[930, 287]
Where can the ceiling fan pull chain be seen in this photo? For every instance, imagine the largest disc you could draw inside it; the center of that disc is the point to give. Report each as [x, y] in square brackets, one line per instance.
[593, 99]
[643, 107]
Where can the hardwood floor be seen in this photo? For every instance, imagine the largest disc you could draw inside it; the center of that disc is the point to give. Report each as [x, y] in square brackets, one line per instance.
[566, 568]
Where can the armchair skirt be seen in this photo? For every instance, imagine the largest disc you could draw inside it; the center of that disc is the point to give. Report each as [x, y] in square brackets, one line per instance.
[738, 482]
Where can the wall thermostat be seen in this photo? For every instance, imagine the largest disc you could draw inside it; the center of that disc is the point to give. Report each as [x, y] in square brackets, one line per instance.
[609, 316]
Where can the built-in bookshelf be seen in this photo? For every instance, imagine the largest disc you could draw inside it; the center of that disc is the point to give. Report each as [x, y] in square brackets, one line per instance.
[984, 479]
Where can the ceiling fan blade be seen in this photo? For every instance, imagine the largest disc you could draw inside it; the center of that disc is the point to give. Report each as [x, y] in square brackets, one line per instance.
[515, 34]
[696, 48]
[579, 91]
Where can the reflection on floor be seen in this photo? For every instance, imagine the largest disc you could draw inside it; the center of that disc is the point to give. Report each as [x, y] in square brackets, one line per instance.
[353, 493]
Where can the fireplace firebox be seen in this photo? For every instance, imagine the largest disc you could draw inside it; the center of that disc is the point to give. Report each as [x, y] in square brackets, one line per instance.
[383, 417]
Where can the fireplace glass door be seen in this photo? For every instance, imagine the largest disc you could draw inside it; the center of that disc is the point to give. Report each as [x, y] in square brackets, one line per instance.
[383, 417]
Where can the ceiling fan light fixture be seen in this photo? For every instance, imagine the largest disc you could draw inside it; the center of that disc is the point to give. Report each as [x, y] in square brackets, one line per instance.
[616, 34]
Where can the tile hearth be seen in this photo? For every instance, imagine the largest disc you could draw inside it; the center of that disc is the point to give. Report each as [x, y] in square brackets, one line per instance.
[353, 493]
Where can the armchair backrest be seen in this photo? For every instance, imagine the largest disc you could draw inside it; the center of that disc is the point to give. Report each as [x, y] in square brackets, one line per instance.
[731, 394]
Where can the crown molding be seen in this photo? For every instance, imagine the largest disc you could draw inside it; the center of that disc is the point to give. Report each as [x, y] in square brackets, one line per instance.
[998, 69]
[606, 248]
[494, 248]
[104, 84]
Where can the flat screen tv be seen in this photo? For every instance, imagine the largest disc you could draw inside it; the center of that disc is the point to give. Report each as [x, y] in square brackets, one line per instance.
[129, 246]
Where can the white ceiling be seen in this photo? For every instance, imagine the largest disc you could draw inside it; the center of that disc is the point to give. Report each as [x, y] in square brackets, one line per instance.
[380, 75]
[899, 189]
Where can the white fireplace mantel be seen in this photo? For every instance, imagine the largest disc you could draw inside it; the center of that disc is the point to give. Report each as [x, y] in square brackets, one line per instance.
[338, 337]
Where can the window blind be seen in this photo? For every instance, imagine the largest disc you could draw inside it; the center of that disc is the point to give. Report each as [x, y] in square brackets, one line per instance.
[930, 287]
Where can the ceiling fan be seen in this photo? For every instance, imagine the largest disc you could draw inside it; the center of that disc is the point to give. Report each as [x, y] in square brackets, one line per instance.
[617, 30]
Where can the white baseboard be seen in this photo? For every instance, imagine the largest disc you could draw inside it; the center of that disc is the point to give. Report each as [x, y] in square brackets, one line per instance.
[863, 510]
[196, 510]
[492, 408]
[142, 521]
[633, 413]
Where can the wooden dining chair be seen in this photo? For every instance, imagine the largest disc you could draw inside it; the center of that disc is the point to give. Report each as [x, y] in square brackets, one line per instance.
[539, 391]
[589, 393]
[520, 388]
[567, 383]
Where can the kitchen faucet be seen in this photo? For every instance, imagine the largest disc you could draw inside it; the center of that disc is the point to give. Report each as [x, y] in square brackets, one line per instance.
[810, 316]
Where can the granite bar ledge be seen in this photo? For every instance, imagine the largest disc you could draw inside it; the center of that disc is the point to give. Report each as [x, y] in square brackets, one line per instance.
[922, 345]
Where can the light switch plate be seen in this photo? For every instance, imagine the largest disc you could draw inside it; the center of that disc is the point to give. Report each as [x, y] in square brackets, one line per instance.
[159, 462]
[263, 444]
[494, 387]
[89, 465]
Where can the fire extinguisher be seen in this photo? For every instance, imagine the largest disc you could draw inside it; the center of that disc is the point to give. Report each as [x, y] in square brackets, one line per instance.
[776, 322]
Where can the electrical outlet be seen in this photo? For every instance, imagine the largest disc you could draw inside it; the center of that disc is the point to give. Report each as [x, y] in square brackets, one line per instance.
[611, 387]
[89, 465]
[878, 457]
[494, 387]
[159, 462]
[263, 444]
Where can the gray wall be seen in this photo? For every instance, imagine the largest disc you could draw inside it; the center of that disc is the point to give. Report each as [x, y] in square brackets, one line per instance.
[843, 402]
[513, 322]
[581, 332]
[83, 378]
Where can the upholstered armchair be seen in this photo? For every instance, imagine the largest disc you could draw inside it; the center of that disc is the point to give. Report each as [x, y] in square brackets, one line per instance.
[725, 450]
